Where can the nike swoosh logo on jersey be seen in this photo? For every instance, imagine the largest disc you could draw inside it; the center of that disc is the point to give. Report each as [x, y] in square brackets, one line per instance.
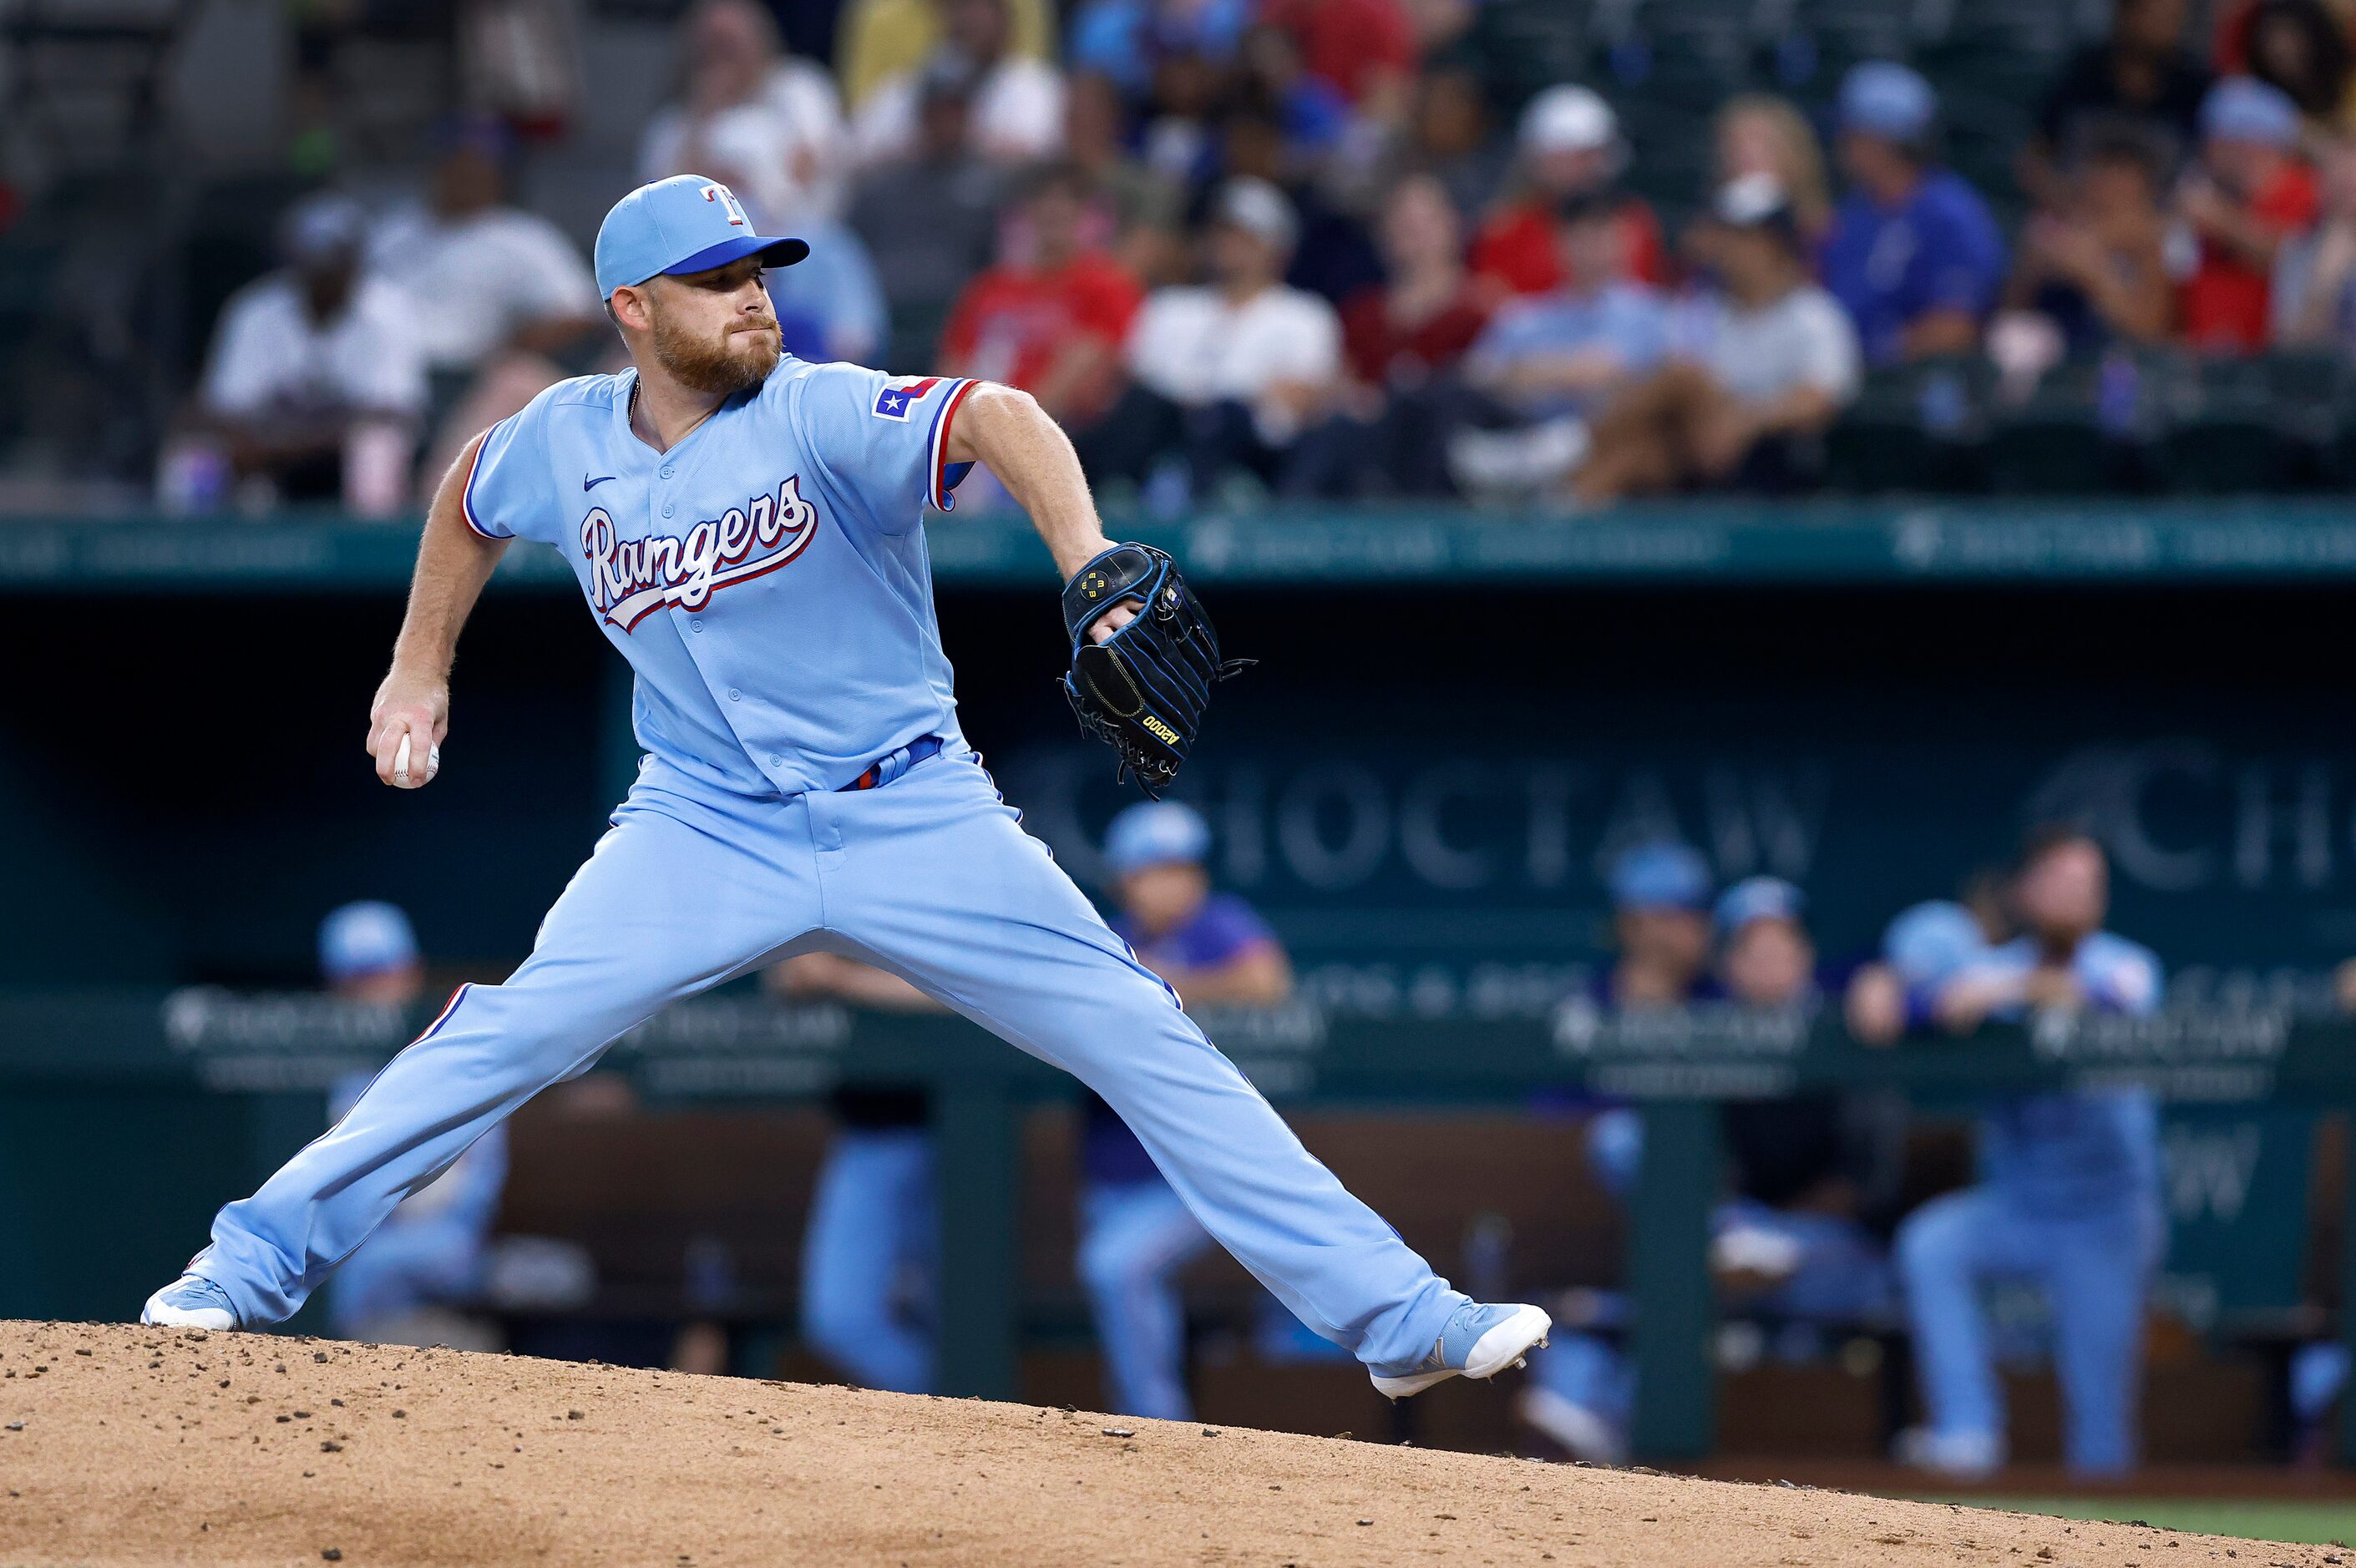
[589, 484]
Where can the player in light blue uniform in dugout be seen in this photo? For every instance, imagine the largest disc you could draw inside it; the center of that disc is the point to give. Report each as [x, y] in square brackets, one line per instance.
[749, 533]
[1136, 1234]
[2069, 1195]
[430, 1253]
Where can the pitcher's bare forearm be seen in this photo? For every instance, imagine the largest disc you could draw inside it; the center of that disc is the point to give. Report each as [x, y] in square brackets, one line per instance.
[1008, 433]
[454, 561]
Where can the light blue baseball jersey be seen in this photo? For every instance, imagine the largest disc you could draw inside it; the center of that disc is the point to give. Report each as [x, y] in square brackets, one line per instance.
[767, 578]
[2091, 1150]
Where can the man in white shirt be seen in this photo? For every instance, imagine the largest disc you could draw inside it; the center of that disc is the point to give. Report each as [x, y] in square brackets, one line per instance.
[1772, 361]
[314, 365]
[1016, 112]
[484, 275]
[1230, 371]
[766, 125]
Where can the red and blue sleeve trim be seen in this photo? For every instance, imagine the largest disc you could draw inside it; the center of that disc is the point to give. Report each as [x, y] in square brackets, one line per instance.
[467, 491]
[942, 475]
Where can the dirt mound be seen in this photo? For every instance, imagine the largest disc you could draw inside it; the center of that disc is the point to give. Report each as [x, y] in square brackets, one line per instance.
[121, 1444]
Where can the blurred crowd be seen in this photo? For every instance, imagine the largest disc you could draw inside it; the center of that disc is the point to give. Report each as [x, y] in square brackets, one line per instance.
[1317, 249]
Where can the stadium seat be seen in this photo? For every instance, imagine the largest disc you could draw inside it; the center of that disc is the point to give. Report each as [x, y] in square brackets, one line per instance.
[1913, 428]
[2084, 431]
[2224, 434]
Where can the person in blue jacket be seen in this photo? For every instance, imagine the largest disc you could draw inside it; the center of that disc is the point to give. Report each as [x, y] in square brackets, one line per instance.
[1914, 255]
[2069, 1197]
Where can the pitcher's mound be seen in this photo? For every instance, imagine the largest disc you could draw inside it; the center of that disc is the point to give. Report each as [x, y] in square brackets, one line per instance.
[123, 1445]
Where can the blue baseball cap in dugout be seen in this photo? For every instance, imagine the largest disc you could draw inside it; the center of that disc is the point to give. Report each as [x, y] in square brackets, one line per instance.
[370, 937]
[1156, 833]
[1882, 97]
[1659, 875]
[683, 224]
[1932, 941]
[1756, 898]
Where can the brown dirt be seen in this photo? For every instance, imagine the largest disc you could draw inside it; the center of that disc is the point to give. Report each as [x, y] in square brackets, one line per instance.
[142, 1446]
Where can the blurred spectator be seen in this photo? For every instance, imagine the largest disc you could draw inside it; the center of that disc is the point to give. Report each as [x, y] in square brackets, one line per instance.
[1772, 362]
[2097, 266]
[1450, 136]
[2249, 195]
[1569, 146]
[317, 378]
[428, 1258]
[1179, 140]
[2301, 47]
[929, 221]
[1119, 40]
[2141, 79]
[1333, 255]
[831, 304]
[1229, 372]
[765, 125]
[1015, 103]
[1544, 365]
[2069, 1197]
[2313, 295]
[482, 275]
[1274, 87]
[1135, 1232]
[1398, 340]
[1914, 256]
[1051, 317]
[879, 39]
[1759, 134]
[1364, 49]
[1141, 207]
[869, 1249]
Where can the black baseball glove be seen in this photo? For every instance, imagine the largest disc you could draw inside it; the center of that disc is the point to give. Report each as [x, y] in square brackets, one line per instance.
[1141, 690]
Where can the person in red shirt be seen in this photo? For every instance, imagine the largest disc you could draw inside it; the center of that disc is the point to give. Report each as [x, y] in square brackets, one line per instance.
[1051, 316]
[1400, 337]
[1361, 48]
[2248, 195]
[1569, 145]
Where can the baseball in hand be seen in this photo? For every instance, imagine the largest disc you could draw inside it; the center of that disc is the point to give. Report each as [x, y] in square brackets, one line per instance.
[400, 773]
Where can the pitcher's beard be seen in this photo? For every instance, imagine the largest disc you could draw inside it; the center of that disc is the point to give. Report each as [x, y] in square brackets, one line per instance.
[720, 369]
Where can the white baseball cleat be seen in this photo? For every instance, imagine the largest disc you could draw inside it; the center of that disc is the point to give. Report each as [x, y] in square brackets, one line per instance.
[191, 1301]
[1478, 1342]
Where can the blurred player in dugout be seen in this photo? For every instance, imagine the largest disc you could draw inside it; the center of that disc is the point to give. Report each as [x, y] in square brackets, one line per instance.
[1795, 1244]
[428, 1258]
[868, 1253]
[2069, 1197]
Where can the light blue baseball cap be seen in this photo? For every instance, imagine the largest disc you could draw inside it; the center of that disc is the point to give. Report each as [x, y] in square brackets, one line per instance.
[1659, 875]
[1882, 97]
[1932, 941]
[1759, 898]
[1156, 833]
[2244, 109]
[370, 937]
[683, 224]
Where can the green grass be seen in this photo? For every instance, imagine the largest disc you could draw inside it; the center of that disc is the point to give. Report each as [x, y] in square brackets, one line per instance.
[2258, 1519]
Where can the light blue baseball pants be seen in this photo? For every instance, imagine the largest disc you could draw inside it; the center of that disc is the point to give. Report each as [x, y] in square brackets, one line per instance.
[2095, 1270]
[928, 876]
[1135, 1237]
[868, 1259]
